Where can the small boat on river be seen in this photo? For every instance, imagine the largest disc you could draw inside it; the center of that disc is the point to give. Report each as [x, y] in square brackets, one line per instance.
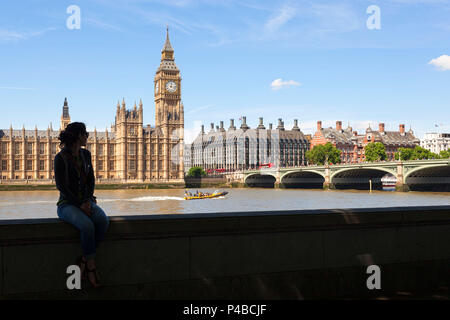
[204, 195]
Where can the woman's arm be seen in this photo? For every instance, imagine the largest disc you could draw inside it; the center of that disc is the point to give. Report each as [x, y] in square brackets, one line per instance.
[61, 181]
[90, 183]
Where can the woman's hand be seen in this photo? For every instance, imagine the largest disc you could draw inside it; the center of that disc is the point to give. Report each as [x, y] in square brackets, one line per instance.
[86, 208]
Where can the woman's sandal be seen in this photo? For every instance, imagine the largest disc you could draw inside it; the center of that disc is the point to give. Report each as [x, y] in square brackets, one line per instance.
[94, 271]
[82, 263]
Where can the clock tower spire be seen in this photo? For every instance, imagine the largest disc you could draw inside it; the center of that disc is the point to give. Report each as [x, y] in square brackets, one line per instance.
[167, 50]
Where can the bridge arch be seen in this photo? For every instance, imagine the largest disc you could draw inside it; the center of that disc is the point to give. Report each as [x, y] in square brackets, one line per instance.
[310, 179]
[258, 180]
[434, 177]
[360, 178]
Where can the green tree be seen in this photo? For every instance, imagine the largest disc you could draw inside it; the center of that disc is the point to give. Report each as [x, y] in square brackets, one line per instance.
[322, 154]
[423, 154]
[375, 151]
[196, 172]
[445, 154]
[406, 154]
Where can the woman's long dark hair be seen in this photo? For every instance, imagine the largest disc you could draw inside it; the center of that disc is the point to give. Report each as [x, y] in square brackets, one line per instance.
[70, 135]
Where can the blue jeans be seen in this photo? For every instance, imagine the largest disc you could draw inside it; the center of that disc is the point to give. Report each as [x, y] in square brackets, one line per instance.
[92, 229]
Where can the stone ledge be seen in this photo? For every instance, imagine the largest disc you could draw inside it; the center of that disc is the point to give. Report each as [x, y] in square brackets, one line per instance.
[182, 251]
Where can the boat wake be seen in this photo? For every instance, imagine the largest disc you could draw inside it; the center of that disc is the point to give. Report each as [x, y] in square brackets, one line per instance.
[144, 199]
[5, 204]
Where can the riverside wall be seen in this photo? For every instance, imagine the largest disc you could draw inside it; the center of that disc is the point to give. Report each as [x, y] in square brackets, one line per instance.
[304, 254]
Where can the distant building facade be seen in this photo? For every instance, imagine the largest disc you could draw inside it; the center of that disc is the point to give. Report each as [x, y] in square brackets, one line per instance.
[352, 145]
[130, 152]
[243, 148]
[345, 140]
[436, 142]
[392, 140]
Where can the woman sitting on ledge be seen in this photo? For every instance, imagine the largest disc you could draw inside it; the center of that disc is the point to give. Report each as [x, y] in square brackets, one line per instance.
[75, 180]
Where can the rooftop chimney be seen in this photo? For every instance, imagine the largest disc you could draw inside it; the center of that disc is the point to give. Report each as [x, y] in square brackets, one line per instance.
[339, 125]
[261, 125]
[203, 129]
[212, 127]
[244, 125]
[232, 127]
[402, 129]
[381, 128]
[295, 127]
[221, 126]
[280, 124]
[319, 125]
[270, 126]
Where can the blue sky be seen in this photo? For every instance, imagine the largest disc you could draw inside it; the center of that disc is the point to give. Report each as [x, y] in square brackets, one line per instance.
[309, 60]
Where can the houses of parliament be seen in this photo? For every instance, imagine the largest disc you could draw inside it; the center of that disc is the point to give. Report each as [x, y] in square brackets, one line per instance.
[129, 152]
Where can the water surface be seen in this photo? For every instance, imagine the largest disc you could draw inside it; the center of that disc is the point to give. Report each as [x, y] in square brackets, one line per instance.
[42, 204]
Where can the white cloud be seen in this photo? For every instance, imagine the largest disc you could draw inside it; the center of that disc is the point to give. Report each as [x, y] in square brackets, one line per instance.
[279, 84]
[284, 15]
[101, 24]
[442, 63]
[8, 35]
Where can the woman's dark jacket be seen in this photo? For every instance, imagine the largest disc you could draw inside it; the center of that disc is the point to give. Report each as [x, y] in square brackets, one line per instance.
[72, 189]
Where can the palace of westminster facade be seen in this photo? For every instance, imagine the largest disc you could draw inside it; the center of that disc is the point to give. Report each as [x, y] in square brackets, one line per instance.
[130, 152]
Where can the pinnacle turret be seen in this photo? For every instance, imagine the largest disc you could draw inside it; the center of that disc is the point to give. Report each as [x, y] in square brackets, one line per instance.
[167, 45]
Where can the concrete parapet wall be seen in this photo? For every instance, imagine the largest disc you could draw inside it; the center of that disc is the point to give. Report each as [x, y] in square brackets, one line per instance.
[241, 255]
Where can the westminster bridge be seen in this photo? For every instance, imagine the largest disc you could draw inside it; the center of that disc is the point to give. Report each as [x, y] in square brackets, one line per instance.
[405, 175]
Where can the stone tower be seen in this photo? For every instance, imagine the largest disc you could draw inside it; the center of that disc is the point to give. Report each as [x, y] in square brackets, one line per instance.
[169, 113]
[65, 117]
[129, 141]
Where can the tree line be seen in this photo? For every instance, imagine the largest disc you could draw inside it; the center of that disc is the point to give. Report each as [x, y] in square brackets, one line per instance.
[374, 151]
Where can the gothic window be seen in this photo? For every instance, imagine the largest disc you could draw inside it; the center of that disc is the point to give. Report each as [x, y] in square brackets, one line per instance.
[41, 148]
[17, 148]
[132, 165]
[100, 165]
[100, 149]
[4, 165]
[16, 164]
[30, 148]
[29, 165]
[41, 165]
[111, 165]
[111, 149]
[131, 149]
[4, 148]
[53, 148]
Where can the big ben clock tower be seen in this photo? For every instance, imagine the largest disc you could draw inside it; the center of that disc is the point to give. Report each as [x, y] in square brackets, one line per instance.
[169, 113]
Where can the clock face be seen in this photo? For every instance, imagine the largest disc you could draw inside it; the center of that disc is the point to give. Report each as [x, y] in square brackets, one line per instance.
[157, 87]
[171, 86]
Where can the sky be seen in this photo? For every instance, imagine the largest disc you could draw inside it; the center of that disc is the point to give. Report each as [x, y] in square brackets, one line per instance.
[359, 62]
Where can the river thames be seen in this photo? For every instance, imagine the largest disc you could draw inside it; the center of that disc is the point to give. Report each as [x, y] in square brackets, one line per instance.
[42, 204]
